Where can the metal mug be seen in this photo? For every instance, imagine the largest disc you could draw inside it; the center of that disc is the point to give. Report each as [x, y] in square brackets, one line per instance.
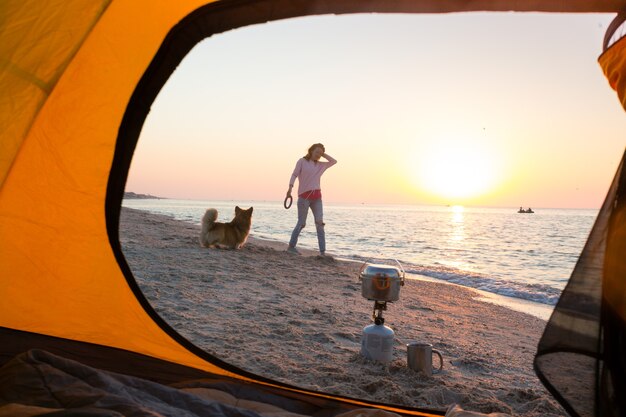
[420, 357]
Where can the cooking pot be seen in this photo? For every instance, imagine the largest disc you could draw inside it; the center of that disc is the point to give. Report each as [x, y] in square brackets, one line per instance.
[381, 282]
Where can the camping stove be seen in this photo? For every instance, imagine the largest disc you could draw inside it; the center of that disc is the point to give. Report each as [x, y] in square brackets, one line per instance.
[381, 284]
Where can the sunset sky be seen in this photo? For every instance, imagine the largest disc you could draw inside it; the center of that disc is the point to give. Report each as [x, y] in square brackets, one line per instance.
[499, 109]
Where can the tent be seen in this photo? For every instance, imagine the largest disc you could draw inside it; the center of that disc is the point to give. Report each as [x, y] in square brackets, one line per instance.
[77, 78]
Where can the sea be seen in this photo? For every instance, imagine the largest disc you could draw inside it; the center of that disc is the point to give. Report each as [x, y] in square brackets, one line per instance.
[522, 261]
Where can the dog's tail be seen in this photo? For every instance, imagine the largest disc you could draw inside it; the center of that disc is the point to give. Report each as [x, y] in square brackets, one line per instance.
[207, 222]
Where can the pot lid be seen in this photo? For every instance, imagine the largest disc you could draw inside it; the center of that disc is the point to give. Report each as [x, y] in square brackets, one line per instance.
[380, 270]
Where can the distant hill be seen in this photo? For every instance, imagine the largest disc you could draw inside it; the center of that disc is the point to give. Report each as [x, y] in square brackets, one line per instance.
[131, 195]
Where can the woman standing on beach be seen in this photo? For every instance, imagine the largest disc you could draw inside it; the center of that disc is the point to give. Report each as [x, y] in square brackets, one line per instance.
[309, 172]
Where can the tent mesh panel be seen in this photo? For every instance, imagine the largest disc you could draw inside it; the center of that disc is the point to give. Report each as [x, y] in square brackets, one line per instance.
[581, 357]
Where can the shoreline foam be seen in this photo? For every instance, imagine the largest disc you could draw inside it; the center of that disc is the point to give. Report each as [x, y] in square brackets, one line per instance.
[539, 310]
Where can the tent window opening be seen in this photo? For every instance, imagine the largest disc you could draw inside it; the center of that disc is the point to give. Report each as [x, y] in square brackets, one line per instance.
[422, 135]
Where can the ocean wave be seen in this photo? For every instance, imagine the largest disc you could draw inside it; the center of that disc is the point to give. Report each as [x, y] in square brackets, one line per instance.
[539, 293]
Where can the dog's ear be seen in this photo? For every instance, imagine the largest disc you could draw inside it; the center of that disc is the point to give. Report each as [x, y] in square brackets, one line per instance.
[237, 209]
[251, 208]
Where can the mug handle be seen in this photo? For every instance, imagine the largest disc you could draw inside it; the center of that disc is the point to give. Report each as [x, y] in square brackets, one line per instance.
[440, 362]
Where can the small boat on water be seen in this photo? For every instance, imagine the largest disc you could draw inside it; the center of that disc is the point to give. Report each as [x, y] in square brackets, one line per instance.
[528, 210]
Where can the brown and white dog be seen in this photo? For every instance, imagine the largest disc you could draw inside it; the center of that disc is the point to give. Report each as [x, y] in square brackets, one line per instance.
[232, 235]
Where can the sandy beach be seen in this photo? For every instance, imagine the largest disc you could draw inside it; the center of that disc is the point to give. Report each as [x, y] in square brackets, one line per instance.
[299, 320]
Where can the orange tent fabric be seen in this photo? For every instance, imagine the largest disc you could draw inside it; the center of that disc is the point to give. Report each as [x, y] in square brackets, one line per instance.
[613, 63]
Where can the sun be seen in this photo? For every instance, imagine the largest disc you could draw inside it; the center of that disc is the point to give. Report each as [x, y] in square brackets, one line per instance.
[454, 169]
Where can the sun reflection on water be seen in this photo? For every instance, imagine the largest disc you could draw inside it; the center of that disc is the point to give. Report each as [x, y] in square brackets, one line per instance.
[457, 232]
